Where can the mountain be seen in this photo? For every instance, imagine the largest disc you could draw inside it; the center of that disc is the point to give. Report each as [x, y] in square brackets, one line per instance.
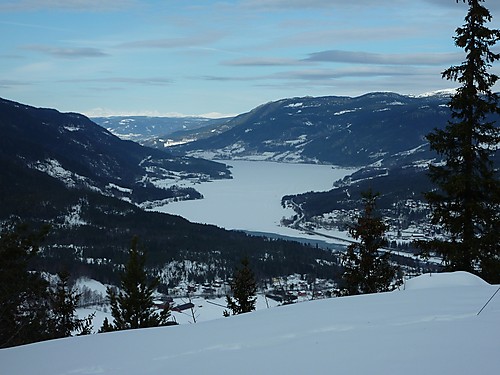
[80, 153]
[388, 141]
[149, 131]
[66, 171]
[343, 131]
[381, 134]
[429, 327]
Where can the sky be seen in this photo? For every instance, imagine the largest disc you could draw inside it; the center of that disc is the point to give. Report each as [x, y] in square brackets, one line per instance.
[216, 58]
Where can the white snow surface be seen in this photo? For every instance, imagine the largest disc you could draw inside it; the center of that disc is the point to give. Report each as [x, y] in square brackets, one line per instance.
[252, 199]
[91, 284]
[432, 329]
[435, 280]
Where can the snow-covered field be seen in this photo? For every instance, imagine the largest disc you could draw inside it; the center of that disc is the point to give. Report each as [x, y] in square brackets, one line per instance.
[204, 308]
[430, 327]
[251, 201]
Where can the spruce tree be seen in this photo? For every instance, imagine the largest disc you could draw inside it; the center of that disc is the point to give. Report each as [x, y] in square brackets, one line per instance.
[466, 202]
[244, 290]
[24, 298]
[64, 301]
[366, 269]
[106, 326]
[133, 306]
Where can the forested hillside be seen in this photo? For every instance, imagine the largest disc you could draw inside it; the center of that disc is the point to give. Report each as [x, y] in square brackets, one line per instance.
[66, 171]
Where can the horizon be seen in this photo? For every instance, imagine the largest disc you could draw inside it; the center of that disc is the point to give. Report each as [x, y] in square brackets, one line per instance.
[219, 59]
[215, 115]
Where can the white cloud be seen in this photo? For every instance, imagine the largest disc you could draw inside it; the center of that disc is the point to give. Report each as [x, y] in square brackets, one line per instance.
[9, 83]
[70, 53]
[358, 57]
[107, 112]
[72, 5]
[176, 42]
[146, 81]
[34, 69]
[492, 5]
[263, 61]
[358, 71]
[349, 71]
[305, 4]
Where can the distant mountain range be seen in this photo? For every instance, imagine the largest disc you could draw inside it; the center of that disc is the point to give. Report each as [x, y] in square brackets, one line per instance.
[383, 134]
[335, 130]
[80, 153]
[159, 131]
[64, 170]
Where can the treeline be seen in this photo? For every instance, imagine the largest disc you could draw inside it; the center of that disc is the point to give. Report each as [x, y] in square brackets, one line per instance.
[90, 233]
[394, 185]
[32, 308]
[270, 257]
[36, 306]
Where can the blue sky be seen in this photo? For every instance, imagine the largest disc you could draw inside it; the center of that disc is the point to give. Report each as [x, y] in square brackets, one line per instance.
[111, 57]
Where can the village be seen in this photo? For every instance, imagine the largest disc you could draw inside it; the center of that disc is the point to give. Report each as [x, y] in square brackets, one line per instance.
[190, 302]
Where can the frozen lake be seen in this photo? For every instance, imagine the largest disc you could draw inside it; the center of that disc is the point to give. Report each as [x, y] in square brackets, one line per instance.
[251, 201]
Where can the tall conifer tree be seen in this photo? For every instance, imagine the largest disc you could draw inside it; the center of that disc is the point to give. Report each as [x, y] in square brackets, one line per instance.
[64, 301]
[24, 297]
[366, 269]
[244, 290]
[467, 199]
[133, 306]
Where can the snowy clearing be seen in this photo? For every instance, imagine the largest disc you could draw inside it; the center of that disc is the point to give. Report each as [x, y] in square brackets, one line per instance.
[430, 328]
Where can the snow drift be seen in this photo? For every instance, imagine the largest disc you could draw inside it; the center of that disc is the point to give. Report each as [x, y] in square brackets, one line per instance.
[431, 327]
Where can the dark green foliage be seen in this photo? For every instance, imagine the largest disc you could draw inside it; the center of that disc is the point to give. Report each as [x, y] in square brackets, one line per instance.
[36, 135]
[467, 201]
[396, 183]
[106, 326]
[133, 306]
[243, 289]
[64, 301]
[24, 304]
[30, 310]
[366, 270]
[106, 221]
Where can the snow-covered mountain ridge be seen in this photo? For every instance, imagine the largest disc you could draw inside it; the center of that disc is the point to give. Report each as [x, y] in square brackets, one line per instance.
[81, 154]
[91, 187]
[432, 327]
[146, 130]
[347, 131]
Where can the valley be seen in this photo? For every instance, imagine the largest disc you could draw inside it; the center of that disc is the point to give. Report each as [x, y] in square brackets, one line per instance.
[281, 182]
[91, 187]
[251, 200]
[280, 185]
[272, 187]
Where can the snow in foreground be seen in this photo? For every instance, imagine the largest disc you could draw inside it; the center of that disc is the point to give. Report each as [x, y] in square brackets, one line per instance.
[430, 327]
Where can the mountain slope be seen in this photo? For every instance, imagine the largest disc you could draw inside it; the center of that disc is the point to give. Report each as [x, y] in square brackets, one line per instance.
[75, 150]
[382, 133]
[64, 170]
[432, 327]
[147, 130]
[336, 130]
